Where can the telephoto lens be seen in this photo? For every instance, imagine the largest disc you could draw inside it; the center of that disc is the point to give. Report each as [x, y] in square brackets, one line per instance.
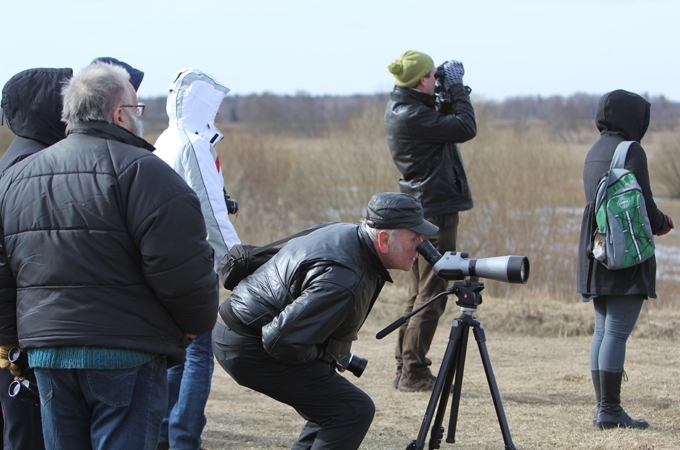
[355, 364]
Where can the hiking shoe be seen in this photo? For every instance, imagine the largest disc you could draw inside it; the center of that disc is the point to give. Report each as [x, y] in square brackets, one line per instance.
[417, 384]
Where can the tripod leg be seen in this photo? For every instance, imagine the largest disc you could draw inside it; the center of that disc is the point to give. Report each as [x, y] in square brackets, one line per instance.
[456, 368]
[480, 336]
[444, 377]
[457, 386]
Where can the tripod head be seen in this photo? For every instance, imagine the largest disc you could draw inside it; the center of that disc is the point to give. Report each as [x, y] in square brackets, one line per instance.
[468, 293]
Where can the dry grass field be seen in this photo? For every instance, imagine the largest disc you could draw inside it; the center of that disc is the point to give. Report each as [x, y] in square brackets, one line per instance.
[544, 383]
[528, 201]
[526, 182]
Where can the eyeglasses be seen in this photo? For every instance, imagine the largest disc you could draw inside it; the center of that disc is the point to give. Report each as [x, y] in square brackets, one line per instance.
[140, 108]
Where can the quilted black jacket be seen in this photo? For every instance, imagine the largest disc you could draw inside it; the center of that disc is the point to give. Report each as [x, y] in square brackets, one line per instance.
[104, 245]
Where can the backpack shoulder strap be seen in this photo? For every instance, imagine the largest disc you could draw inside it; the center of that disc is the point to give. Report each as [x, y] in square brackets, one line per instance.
[619, 158]
[264, 248]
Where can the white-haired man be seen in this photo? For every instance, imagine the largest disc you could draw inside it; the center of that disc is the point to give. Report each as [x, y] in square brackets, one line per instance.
[105, 273]
[286, 328]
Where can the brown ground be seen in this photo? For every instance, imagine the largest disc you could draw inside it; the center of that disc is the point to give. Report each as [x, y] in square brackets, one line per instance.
[544, 384]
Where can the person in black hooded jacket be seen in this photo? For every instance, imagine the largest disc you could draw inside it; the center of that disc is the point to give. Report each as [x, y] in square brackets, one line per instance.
[617, 295]
[31, 105]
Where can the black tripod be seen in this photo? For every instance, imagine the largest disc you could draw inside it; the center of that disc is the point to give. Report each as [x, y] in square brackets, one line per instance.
[469, 297]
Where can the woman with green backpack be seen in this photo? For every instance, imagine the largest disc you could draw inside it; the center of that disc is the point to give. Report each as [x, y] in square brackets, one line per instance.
[617, 295]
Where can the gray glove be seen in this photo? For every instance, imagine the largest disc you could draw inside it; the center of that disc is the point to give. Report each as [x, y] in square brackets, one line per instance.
[454, 72]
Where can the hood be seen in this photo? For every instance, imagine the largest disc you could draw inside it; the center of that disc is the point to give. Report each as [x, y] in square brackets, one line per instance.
[623, 112]
[193, 101]
[31, 104]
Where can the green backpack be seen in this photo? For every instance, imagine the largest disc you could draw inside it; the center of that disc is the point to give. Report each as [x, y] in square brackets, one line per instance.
[623, 237]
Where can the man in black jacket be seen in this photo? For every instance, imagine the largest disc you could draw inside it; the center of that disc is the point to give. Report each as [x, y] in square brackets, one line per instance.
[31, 105]
[422, 140]
[105, 273]
[287, 327]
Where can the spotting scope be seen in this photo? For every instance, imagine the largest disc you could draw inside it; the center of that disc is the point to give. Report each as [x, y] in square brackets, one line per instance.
[457, 266]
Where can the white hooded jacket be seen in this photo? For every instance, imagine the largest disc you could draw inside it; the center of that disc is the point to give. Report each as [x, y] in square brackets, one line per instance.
[187, 145]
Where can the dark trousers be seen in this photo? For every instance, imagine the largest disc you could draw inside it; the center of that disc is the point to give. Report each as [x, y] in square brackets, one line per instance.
[338, 413]
[415, 336]
[23, 428]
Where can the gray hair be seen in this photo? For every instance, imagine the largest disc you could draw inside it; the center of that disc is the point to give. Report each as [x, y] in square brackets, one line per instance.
[95, 92]
[394, 243]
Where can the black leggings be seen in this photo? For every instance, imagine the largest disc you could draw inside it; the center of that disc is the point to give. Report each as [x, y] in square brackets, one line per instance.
[615, 318]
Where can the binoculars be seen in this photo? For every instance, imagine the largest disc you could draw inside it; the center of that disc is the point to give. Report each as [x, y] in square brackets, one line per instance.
[25, 388]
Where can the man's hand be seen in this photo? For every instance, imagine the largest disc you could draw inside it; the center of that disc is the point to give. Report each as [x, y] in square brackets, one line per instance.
[4, 359]
[454, 72]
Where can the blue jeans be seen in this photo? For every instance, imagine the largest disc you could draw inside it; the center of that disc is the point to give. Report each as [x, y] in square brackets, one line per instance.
[103, 409]
[615, 318]
[188, 390]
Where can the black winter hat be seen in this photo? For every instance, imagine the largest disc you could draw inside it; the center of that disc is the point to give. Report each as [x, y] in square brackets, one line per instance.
[136, 76]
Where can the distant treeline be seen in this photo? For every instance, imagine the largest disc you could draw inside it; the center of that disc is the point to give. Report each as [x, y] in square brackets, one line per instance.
[304, 113]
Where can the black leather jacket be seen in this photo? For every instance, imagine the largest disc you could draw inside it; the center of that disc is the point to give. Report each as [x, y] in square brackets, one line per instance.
[423, 146]
[312, 295]
[104, 245]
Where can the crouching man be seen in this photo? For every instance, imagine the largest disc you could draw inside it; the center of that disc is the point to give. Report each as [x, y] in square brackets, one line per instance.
[287, 327]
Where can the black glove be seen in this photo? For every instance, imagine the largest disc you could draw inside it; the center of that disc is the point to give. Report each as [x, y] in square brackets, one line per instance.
[453, 71]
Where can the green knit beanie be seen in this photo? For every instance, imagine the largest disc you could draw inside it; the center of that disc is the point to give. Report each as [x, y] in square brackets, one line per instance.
[410, 67]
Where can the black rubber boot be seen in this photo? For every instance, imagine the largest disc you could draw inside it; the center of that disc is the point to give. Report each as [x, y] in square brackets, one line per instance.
[611, 414]
[598, 394]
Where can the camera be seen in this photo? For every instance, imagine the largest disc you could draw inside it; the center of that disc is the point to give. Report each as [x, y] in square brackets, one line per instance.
[355, 364]
[457, 266]
[25, 388]
[232, 205]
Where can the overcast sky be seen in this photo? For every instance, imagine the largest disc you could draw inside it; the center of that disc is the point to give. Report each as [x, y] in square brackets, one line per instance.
[343, 47]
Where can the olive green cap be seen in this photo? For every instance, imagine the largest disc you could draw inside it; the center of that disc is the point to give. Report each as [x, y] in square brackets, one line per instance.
[410, 67]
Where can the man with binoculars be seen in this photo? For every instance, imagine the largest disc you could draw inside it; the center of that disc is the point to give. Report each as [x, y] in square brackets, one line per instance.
[428, 115]
[286, 328]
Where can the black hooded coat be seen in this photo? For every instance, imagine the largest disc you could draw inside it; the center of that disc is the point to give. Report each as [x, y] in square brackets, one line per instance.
[31, 104]
[621, 116]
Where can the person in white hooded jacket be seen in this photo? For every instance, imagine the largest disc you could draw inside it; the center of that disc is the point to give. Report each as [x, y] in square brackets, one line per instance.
[187, 145]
